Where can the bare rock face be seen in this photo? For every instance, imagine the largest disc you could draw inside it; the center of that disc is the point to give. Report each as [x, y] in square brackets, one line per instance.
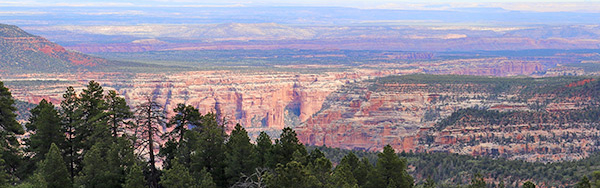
[491, 67]
[415, 116]
[358, 118]
[260, 101]
[256, 100]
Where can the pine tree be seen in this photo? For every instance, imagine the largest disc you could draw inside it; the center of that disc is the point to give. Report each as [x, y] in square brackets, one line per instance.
[177, 176]
[45, 124]
[240, 156]
[393, 169]
[119, 158]
[68, 112]
[4, 178]
[321, 169]
[314, 155]
[8, 122]
[91, 126]
[351, 160]
[291, 175]
[135, 177]
[169, 151]
[264, 147]
[150, 120]
[10, 128]
[342, 177]
[362, 172]
[98, 171]
[208, 142]
[186, 117]
[286, 145]
[205, 179]
[53, 170]
[118, 113]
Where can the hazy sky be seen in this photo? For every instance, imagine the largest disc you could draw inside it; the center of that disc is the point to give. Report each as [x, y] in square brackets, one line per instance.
[525, 5]
[352, 3]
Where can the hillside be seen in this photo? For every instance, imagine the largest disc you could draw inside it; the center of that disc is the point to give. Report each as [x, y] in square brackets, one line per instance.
[24, 52]
[535, 119]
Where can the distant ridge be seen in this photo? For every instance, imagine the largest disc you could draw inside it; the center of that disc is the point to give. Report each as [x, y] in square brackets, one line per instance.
[24, 52]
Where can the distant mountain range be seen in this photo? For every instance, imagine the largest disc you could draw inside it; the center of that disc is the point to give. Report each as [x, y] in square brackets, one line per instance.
[267, 36]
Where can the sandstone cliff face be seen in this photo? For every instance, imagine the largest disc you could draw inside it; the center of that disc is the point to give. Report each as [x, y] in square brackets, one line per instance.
[260, 101]
[489, 66]
[355, 117]
[369, 115]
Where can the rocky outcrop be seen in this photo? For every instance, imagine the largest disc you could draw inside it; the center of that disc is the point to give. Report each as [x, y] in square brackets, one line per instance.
[408, 115]
[490, 67]
[261, 101]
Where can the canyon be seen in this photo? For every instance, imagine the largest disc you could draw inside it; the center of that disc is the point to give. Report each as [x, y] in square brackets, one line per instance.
[339, 98]
[261, 101]
[408, 113]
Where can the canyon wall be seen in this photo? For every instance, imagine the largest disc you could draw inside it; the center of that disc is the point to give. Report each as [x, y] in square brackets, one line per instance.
[407, 115]
[260, 101]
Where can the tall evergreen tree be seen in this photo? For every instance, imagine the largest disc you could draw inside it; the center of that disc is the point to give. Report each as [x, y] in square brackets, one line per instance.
[362, 172]
[286, 145]
[135, 177]
[320, 168]
[240, 156]
[208, 142]
[392, 169]
[342, 177]
[9, 146]
[169, 151]
[120, 158]
[98, 171]
[177, 176]
[53, 170]
[186, 117]
[150, 121]
[91, 126]
[205, 179]
[353, 163]
[45, 124]
[351, 160]
[118, 113]
[264, 147]
[315, 154]
[68, 112]
[291, 175]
